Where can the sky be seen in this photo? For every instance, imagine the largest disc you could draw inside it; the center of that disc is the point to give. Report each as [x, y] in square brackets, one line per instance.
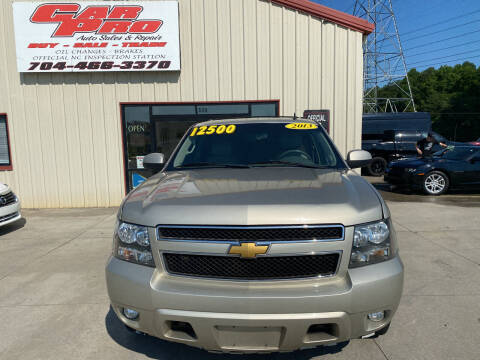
[433, 32]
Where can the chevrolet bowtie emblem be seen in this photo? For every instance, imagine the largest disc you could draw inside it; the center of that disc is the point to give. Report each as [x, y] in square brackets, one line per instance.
[248, 250]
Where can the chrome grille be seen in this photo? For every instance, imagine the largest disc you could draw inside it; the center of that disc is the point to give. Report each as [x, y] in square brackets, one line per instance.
[7, 199]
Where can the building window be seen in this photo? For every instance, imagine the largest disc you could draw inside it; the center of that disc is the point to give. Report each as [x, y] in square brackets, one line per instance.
[151, 128]
[5, 159]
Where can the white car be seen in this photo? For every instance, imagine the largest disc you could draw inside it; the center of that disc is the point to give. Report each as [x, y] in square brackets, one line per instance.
[9, 206]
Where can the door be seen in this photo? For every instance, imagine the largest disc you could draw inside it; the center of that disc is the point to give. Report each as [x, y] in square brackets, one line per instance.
[138, 142]
[472, 170]
[464, 166]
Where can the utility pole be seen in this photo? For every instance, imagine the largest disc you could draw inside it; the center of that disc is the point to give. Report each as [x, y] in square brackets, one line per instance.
[383, 59]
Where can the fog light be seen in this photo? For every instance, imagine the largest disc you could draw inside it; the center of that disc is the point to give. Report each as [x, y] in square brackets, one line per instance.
[377, 316]
[130, 314]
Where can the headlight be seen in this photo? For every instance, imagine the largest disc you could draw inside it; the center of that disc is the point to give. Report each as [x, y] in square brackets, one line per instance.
[372, 243]
[132, 243]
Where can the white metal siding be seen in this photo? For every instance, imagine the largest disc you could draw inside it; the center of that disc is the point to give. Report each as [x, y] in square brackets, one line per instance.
[65, 128]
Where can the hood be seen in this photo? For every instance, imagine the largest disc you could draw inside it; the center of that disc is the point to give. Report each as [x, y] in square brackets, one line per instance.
[411, 162]
[257, 196]
[4, 189]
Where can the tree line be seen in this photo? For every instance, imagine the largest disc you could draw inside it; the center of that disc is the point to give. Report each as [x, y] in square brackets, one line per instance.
[451, 94]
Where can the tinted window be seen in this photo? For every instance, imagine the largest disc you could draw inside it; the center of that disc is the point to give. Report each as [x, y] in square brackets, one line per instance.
[256, 144]
[457, 153]
[263, 110]
[378, 123]
[408, 136]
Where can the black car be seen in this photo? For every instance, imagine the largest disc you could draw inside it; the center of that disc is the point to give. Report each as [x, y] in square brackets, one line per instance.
[390, 136]
[396, 145]
[455, 167]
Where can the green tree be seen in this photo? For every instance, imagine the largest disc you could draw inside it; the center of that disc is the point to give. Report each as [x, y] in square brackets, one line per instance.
[451, 94]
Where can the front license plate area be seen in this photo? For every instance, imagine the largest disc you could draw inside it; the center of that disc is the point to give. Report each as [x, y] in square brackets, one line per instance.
[249, 338]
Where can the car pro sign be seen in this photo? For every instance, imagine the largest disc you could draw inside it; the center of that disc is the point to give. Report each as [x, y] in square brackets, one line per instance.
[97, 36]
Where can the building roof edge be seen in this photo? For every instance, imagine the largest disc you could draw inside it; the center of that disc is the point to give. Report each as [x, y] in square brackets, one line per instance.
[324, 12]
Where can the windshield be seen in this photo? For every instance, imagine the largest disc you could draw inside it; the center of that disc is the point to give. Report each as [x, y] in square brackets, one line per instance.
[456, 153]
[256, 144]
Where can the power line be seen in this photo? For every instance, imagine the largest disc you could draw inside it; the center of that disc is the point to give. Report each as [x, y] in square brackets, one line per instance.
[442, 40]
[448, 61]
[442, 30]
[445, 48]
[443, 57]
[442, 22]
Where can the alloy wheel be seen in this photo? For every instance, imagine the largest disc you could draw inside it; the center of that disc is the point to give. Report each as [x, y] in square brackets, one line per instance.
[435, 183]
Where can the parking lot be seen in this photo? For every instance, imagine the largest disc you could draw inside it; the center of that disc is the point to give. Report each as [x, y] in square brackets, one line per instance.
[54, 303]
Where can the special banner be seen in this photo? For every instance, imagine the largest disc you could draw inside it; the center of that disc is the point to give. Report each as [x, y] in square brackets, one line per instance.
[97, 36]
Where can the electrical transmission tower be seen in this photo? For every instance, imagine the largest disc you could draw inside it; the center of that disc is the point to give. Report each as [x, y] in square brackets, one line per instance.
[383, 60]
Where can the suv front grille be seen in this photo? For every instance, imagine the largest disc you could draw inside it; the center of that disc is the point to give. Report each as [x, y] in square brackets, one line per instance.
[261, 268]
[7, 199]
[255, 233]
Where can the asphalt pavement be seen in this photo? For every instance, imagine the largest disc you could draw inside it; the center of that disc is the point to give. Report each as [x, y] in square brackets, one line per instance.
[54, 305]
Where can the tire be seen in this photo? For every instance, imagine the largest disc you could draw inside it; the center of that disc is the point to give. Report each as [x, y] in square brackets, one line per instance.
[377, 166]
[435, 183]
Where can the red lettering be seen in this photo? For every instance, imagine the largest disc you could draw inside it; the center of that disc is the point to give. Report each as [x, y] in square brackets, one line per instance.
[94, 19]
[90, 45]
[54, 13]
[72, 26]
[157, 44]
[146, 26]
[42, 45]
[125, 12]
[115, 27]
[94, 12]
[144, 44]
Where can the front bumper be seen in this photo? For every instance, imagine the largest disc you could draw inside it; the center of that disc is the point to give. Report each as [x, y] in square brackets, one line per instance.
[10, 213]
[256, 316]
[403, 179]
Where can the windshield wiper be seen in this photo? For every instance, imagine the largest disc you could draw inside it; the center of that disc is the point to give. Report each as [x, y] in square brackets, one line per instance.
[288, 163]
[212, 165]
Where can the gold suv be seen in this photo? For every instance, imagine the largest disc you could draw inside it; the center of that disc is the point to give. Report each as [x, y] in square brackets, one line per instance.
[255, 236]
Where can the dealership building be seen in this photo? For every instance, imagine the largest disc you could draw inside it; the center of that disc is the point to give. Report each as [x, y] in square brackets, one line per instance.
[87, 88]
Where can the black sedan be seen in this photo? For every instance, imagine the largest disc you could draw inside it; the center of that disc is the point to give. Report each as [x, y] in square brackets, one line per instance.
[452, 168]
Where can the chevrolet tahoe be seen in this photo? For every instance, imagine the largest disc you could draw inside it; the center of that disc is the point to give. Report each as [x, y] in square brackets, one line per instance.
[255, 236]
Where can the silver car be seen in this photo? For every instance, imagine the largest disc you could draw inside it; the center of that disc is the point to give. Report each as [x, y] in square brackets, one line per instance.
[255, 236]
[10, 209]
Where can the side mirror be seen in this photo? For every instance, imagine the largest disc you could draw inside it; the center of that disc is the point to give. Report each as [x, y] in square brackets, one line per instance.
[154, 162]
[358, 158]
